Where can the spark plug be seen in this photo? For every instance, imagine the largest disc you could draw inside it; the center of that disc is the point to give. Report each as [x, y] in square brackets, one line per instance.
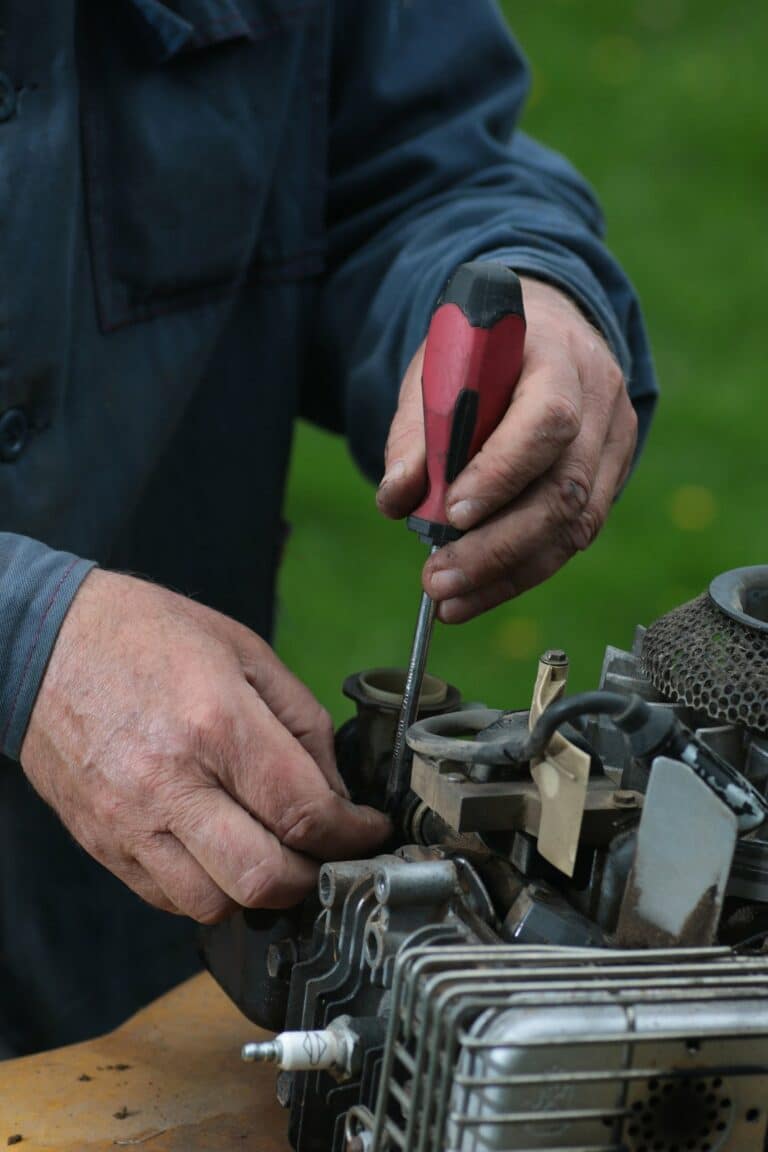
[333, 1049]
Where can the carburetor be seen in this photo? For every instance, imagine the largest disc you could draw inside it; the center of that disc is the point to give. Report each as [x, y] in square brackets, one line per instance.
[564, 947]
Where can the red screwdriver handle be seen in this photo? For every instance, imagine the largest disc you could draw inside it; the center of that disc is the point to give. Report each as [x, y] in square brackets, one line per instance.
[472, 362]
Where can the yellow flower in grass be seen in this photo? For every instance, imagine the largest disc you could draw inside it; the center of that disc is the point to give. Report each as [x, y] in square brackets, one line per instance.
[692, 508]
[517, 638]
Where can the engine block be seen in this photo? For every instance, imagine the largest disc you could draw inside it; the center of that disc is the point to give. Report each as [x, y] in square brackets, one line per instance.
[565, 945]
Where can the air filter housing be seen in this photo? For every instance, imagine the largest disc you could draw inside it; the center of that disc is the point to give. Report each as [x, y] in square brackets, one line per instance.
[711, 654]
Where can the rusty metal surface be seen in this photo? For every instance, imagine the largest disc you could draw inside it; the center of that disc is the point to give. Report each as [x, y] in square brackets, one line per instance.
[685, 847]
[169, 1080]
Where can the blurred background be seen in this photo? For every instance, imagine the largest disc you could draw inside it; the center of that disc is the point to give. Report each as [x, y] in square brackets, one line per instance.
[662, 104]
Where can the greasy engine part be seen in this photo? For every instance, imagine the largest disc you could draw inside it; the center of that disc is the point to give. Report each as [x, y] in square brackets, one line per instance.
[420, 1029]
[696, 852]
[524, 1048]
[469, 991]
[365, 745]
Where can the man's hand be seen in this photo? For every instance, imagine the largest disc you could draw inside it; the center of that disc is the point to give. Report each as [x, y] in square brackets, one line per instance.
[183, 755]
[541, 487]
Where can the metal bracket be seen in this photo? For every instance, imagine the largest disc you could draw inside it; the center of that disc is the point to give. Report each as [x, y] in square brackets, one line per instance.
[561, 775]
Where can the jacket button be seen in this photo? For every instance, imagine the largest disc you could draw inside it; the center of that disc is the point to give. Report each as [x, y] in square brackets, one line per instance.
[14, 431]
[7, 97]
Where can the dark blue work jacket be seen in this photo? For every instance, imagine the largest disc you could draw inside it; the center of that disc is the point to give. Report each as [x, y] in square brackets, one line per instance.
[216, 215]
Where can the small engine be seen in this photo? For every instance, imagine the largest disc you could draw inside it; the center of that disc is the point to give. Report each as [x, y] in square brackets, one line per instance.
[565, 946]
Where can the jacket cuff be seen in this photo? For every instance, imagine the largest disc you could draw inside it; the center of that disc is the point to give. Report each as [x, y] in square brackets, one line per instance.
[37, 586]
[572, 276]
[575, 278]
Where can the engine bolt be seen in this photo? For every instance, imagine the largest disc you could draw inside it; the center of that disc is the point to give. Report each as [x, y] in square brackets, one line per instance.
[555, 656]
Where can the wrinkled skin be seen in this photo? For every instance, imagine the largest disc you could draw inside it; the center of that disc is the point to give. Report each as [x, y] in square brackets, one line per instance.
[182, 754]
[542, 486]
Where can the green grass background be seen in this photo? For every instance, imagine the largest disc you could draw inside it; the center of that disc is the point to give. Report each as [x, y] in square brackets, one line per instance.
[663, 104]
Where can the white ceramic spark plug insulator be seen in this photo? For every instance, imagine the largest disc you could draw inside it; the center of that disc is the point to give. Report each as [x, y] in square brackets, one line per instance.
[302, 1051]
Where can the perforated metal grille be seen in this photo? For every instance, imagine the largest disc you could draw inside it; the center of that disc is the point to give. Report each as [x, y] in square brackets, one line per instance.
[681, 1115]
[699, 657]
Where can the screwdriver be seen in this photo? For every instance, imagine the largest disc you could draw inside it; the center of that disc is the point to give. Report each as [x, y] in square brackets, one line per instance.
[472, 362]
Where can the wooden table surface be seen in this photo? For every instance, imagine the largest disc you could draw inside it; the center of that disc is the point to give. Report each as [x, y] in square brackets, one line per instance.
[169, 1080]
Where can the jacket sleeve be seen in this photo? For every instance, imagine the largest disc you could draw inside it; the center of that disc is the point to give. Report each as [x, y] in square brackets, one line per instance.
[427, 169]
[37, 586]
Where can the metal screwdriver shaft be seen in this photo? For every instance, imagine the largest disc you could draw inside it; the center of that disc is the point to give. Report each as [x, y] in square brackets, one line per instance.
[398, 782]
[472, 361]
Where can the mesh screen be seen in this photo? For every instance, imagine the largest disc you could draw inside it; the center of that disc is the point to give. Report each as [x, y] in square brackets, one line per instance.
[699, 657]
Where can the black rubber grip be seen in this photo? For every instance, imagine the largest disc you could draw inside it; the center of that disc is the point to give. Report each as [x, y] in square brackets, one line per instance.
[485, 291]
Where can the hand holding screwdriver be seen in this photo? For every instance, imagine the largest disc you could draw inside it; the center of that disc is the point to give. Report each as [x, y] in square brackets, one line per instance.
[543, 483]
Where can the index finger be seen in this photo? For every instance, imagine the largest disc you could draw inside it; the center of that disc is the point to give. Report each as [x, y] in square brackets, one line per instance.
[543, 419]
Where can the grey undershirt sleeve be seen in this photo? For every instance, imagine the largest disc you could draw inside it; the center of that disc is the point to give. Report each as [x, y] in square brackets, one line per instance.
[37, 586]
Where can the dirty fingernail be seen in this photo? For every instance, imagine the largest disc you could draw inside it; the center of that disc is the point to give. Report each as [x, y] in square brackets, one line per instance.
[396, 471]
[449, 582]
[576, 494]
[465, 513]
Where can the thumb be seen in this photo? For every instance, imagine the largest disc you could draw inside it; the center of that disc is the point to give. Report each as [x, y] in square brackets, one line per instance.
[405, 479]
